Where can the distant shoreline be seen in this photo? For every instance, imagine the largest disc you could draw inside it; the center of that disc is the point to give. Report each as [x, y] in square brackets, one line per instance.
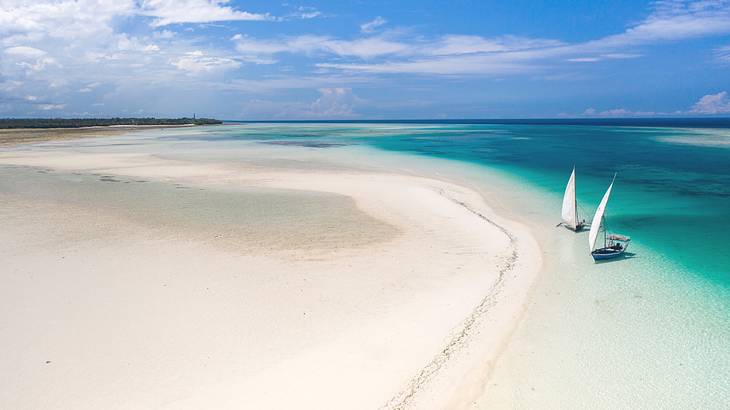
[45, 123]
[18, 136]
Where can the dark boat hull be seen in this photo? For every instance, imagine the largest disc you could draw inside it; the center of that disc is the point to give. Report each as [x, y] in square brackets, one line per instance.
[577, 229]
[607, 253]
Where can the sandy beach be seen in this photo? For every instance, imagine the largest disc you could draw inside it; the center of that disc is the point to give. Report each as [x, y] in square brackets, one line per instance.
[138, 280]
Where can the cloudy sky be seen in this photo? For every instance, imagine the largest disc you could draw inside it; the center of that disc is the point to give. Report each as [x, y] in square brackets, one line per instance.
[364, 59]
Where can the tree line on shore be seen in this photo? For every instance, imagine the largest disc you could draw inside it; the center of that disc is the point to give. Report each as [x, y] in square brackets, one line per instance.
[95, 122]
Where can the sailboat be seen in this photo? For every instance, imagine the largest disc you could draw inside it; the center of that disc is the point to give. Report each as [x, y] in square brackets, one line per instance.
[614, 245]
[570, 207]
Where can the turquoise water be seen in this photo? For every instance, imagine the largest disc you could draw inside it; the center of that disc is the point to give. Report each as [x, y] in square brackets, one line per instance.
[670, 196]
[672, 192]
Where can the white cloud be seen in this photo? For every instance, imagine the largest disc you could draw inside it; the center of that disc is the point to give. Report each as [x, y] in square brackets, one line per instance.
[460, 44]
[62, 18]
[168, 12]
[602, 57]
[712, 104]
[331, 103]
[722, 54]
[368, 47]
[89, 87]
[334, 102]
[584, 59]
[365, 47]
[477, 65]
[64, 45]
[258, 60]
[50, 107]
[67, 46]
[458, 54]
[372, 25]
[252, 46]
[674, 20]
[305, 13]
[709, 104]
[78, 18]
[29, 58]
[23, 51]
[616, 113]
[197, 62]
[164, 34]
[621, 56]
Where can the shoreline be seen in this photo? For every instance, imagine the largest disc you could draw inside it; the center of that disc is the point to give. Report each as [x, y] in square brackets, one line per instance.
[461, 360]
[471, 381]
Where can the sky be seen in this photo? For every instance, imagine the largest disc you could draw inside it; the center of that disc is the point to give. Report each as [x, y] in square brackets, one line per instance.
[260, 60]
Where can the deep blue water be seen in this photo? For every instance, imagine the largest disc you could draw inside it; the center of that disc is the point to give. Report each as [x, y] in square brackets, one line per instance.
[672, 192]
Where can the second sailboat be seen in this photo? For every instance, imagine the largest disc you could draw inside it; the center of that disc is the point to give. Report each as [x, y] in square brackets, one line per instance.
[570, 207]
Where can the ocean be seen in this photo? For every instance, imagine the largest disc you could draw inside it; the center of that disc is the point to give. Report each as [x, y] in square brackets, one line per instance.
[673, 183]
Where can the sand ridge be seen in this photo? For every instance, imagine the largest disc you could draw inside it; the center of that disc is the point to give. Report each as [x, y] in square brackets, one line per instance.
[406, 321]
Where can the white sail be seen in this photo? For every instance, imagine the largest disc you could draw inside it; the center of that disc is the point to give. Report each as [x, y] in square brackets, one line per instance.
[598, 218]
[570, 213]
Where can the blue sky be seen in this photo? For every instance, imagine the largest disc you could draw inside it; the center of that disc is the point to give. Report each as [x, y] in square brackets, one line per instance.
[364, 59]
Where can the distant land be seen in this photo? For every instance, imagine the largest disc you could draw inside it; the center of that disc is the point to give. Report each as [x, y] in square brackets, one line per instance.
[12, 123]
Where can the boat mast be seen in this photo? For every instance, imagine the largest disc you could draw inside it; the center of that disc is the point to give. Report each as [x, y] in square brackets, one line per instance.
[605, 229]
[569, 213]
[598, 220]
[575, 200]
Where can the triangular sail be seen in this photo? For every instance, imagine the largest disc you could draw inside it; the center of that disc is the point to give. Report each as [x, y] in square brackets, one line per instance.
[598, 218]
[570, 213]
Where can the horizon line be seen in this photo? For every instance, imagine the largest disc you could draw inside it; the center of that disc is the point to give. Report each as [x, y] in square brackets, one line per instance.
[476, 119]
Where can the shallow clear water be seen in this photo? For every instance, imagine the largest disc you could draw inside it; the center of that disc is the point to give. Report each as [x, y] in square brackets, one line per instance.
[242, 219]
[674, 197]
[672, 191]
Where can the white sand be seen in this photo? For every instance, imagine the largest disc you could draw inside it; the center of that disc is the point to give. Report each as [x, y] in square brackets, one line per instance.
[101, 307]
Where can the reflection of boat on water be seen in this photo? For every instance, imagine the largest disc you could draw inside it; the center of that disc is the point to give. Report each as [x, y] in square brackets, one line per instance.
[570, 207]
[614, 245]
